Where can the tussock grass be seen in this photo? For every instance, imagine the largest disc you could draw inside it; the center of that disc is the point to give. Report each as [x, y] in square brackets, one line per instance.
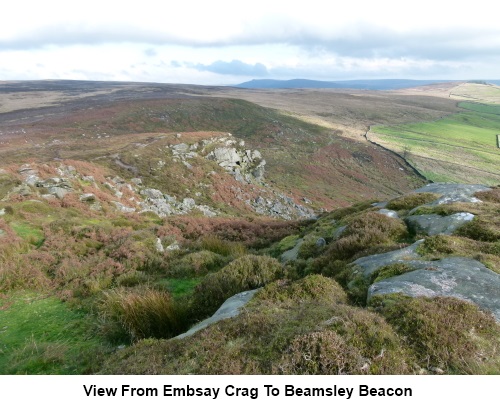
[222, 247]
[299, 328]
[138, 314]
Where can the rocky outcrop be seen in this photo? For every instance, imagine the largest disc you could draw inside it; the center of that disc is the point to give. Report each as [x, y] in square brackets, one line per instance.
[229, 309]
[366, 266]
[245, 165]
[280, 206]
[457, 277]
[434, 224]
[164, 205]
[451, 193]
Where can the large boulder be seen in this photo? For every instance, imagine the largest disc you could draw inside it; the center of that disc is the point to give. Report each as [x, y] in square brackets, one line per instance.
[229, 309]
[434, 224]
[366, 266]
[451, 192]
[457, 277]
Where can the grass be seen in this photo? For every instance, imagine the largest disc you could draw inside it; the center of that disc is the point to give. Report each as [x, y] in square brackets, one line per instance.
[288, 328]
[140, 313]
[28, 232]
[445, 333]
[180, 287]
[466, 140]
[42, 335]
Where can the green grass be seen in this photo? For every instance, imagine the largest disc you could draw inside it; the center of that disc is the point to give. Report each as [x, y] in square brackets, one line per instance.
[459, 145]
[28, 232]
[180, 287]
[42, 335]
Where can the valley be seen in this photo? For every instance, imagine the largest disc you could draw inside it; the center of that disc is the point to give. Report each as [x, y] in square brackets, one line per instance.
[130, 212]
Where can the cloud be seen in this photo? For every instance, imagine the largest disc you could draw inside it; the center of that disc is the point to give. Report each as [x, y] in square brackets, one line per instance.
[235, 68]
[150, 52]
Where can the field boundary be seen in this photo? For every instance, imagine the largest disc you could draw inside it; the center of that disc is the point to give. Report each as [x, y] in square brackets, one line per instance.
[414, 169]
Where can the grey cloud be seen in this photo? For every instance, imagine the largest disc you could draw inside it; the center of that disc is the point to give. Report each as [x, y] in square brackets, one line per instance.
[235, 67]
[358, 41]
[150, 52]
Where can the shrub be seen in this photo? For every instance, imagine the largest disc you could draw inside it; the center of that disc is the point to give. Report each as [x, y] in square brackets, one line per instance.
[138, 314]
[367, 231]
[196, 264]
[412, 200]
[492, 195]
[444, 332]
[479, 229]
[245, 273]
[391, 270]
[324, 352]
[222, 247]
[311, 288]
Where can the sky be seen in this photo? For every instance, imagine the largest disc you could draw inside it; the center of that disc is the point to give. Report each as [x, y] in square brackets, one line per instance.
[221, 42]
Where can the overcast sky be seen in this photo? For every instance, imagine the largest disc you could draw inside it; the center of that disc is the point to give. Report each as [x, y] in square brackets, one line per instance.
[228, 42]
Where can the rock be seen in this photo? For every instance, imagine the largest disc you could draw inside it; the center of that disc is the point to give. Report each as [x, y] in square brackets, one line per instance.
[173, 246]
[188, 203]
[433, 224]
[123, 208]
[369, 264]
[159, 206]
[137, 181]
[152, 193]
[457, 277]
[388, 213]
[87, 197]
[451, 193]
[59, 192]
[320, 242]
[23, 190]
[180, 148]
[229, 309]
[293, 253]
[158, 245]
[207, 211]
[2, 212]
[382, 204]
[339, 231]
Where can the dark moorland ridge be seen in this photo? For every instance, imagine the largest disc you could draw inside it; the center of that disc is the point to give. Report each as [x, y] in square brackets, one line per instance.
[376, 84]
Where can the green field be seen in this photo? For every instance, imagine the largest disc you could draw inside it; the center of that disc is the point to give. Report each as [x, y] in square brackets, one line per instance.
[461, 147]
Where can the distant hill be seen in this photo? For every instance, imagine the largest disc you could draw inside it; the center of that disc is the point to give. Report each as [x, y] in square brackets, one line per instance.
[381, 84]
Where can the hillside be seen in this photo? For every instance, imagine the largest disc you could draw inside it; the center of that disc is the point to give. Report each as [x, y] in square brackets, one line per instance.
[459, 148]
[381, 84]
[130, 212]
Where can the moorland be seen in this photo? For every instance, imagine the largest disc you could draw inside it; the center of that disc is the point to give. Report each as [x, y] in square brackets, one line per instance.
[130, 212]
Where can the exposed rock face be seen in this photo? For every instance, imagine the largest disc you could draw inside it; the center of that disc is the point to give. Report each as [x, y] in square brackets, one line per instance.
[435, 224]
[293, 253]
[369, 264]
[229, 309]
[280, 206]
[164, 205]
[87, 197]
[451, 193]
[457, 277]
[389, 213]
[245, 165]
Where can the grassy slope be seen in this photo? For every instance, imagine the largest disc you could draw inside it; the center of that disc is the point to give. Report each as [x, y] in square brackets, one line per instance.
[460, 148]
[305, 159]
